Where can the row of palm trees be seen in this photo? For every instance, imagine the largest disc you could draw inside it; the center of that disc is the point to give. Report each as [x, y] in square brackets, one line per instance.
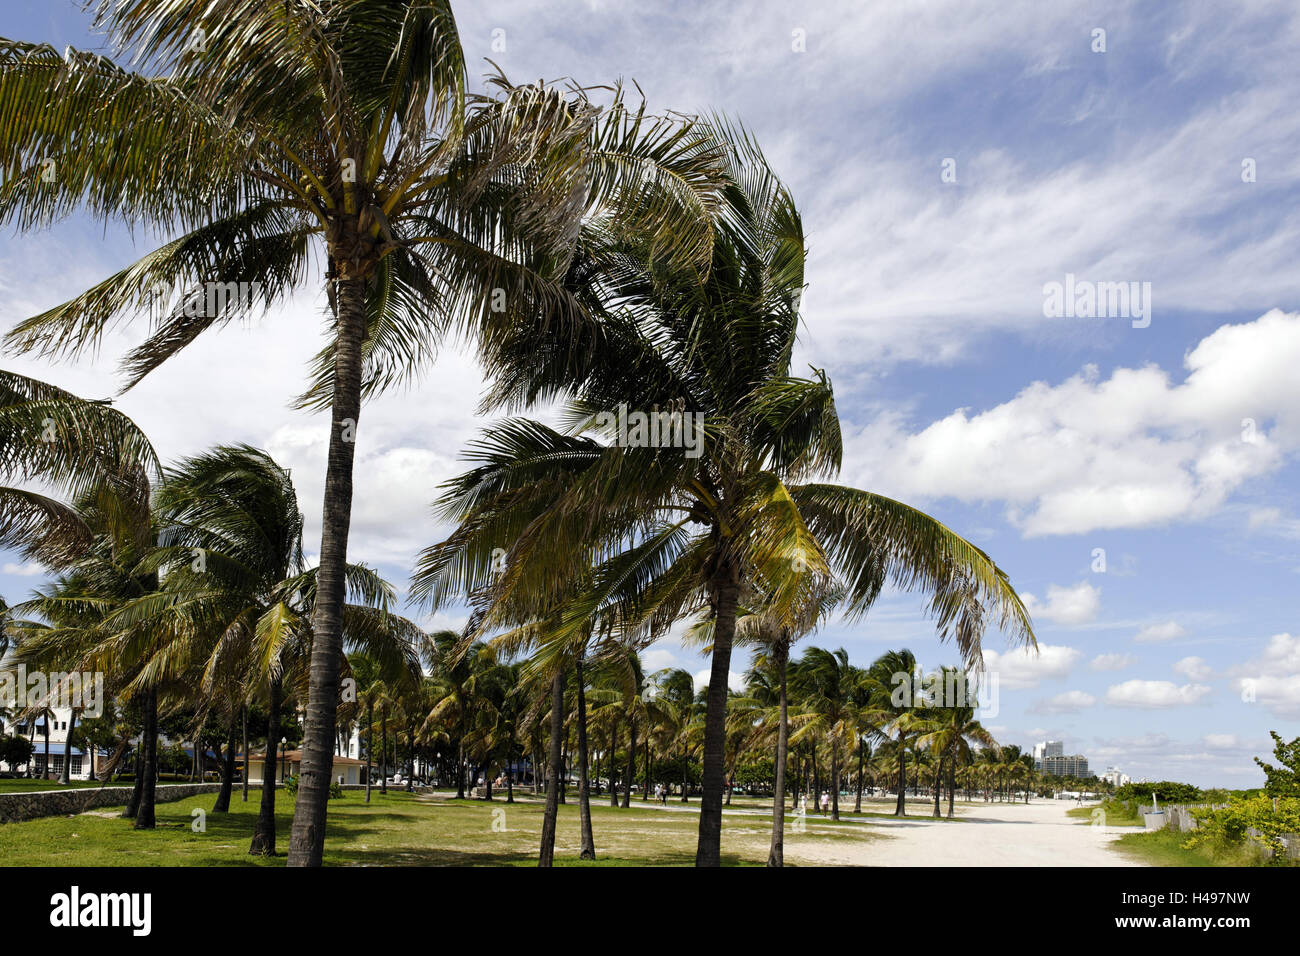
[597, 256]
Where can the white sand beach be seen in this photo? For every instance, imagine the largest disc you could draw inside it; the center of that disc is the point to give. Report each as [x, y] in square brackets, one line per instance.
[993, 834]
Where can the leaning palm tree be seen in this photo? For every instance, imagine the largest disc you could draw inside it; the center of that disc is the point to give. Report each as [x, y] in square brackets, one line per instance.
[75, 481]
[732, 501]
[262, 131]
[236, 596]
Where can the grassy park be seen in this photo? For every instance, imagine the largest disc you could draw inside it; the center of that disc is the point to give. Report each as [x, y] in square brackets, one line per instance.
[401, 829]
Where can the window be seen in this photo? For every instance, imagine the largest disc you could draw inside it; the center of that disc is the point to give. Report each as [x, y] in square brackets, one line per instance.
[75, 765]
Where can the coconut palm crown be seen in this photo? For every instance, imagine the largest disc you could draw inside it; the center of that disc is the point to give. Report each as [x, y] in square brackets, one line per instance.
[252, 135]
[743, 508]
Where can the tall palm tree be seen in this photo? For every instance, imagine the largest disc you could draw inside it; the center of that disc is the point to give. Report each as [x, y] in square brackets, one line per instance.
[828, 687]
[740, 505]
[90, 522]
[263, 130]
[237, 595]
[679, 705]
[948, 730]
[895, 677]
[774, 636]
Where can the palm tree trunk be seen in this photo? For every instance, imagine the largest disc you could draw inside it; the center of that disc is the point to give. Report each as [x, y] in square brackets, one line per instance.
[816, 776]
[938, 786]
[227, 772]
[835, 779]
[144, 819]
[547, 856]
[951, 787]
[631, 763]
[900, 809]
[645, 791]
[588, 851]
[460, 762]
[383, 748]
[370, 743]
[776, 854]
[857, 804]
[245, 768]
[726, 590]
[307, 838]
[613, 748]
[410, 777]
[137, 788]
[65, 775]
[685, 777]
[264, 830]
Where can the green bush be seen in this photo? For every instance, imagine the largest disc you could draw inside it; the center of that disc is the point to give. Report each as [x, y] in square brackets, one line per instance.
[1230, 826]
[1167, 790]
[291, 788]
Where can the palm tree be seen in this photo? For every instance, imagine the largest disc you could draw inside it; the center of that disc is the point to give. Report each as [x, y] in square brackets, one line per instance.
[262, 129]
[895, 679]
[743, 508]
[828, 687]
[92, 527]
[236, 596]
[948, 730]
[456, 673]
[679, 707]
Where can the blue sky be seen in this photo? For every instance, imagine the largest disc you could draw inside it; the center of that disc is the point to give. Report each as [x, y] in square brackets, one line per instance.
[1042, 439]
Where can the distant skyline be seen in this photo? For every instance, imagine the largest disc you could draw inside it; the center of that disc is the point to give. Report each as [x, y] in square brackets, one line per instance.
[952, 162]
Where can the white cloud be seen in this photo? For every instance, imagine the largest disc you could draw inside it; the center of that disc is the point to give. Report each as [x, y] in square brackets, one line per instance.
[1022, 669]
[1155, 694]
[1077, 604]
[1112, 662]
[1158, 633]
[657, 659]
[27, 570]
[1070, 702]
[1193, 668]
[734, 680]
[1128, 451]
[1224, 742]
[1272, 680]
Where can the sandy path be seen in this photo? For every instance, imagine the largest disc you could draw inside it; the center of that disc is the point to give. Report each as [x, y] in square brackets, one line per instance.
[993, 834]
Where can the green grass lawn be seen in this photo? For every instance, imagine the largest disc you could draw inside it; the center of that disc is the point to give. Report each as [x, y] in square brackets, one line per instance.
[1165, 848]
[400, 829]
[1117, 814]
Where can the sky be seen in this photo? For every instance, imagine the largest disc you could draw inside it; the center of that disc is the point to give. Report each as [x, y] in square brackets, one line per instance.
[1134, 471]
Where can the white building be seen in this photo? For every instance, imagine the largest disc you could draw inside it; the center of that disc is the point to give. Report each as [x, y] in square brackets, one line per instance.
[34, 730]
[1116, 776]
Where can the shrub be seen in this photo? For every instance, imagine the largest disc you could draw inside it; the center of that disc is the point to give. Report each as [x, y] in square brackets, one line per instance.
[291, 788]
[1232, 825]
[1167, 790]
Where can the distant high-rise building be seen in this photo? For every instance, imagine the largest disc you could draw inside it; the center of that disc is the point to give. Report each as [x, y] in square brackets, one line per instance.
[1047, 748]
[1116, 776]
[1066, 765]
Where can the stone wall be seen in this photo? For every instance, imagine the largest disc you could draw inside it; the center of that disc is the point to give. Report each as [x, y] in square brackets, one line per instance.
[16, 807]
